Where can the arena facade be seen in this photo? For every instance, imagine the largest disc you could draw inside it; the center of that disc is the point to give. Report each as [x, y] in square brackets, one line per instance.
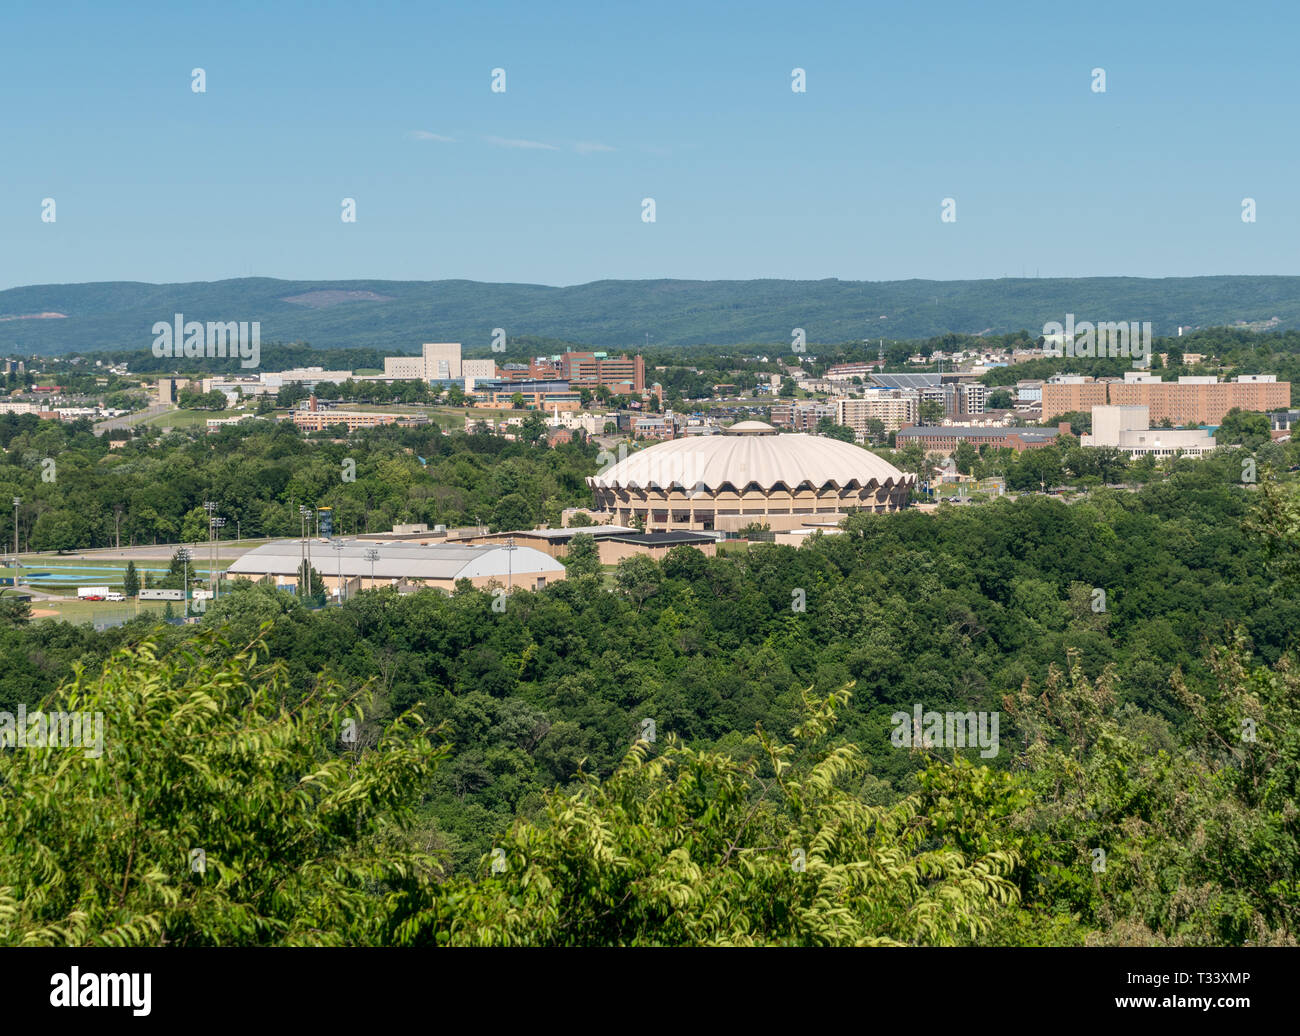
[748, 474]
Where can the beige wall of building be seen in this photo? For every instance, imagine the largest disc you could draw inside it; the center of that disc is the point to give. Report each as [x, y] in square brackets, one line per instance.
[317, 420]
[408, 368]
[484, 369]
[612, 552]
[1065, 399]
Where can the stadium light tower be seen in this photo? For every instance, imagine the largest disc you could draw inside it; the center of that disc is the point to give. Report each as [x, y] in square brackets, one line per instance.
[372, 555]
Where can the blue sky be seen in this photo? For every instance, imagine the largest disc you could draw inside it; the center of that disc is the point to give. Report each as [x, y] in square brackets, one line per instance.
[608, 103]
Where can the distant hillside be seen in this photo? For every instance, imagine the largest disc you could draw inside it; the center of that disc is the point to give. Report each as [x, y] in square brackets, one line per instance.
[399, 315]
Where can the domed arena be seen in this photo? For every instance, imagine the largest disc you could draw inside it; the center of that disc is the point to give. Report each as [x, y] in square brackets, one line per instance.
[748, 474]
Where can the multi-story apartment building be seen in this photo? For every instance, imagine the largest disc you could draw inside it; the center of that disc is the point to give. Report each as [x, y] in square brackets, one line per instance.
[970, 397]
[894, 408]
[1187, 401]
[801, 417]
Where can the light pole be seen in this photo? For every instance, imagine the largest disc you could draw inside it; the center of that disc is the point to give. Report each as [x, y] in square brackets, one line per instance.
[339, 546]
[214, 580]
[510, 556]
[211, 507]
[17, 500]
[184, 555]
[306, 513]
[372, 556]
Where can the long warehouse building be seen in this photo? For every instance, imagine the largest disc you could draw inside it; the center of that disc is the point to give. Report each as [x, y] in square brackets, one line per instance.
[438, 565]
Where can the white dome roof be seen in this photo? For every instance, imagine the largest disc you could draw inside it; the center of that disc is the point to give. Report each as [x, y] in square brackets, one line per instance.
[710, 461]
[750, 428]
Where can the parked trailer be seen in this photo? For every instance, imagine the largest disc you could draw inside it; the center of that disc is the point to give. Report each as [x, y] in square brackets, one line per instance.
[162, 595]
[92, 593]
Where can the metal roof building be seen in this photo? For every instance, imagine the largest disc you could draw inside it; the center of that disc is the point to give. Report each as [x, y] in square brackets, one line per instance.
[908, 381]
[435, 564]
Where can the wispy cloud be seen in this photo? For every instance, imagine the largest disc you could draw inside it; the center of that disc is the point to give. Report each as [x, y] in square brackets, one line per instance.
[426, 135]
[534, 145]
[590, 147]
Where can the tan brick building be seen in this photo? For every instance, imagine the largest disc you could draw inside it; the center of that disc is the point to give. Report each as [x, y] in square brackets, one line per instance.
[1188, 401]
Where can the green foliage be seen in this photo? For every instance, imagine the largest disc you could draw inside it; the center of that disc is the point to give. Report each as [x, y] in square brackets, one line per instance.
[311, 587]
[188, 399]
[688, 848]
[14, 610]
[260, 473]
[583, 557]
[301, 843]
[1242, 426]
[1148, 844]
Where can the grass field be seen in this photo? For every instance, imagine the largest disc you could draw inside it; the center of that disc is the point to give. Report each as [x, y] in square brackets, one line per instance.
[88, 611]
[63, 577]
[184, 418]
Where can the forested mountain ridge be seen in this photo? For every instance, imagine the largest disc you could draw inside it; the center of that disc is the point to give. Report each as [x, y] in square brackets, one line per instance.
[398, 315]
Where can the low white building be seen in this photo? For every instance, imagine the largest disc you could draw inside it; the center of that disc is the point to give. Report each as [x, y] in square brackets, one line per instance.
[592, 424]
[1128, 428]
[309, 376]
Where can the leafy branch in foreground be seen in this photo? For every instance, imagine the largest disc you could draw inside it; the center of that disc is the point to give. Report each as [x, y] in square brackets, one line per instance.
[1129, 840]
[214, 815]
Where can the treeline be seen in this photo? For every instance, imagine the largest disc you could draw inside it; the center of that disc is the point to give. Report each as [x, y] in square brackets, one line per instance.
[152, 489]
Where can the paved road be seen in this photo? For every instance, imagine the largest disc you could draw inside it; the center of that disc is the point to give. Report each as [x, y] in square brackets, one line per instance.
[148, 552]
[132, 419]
